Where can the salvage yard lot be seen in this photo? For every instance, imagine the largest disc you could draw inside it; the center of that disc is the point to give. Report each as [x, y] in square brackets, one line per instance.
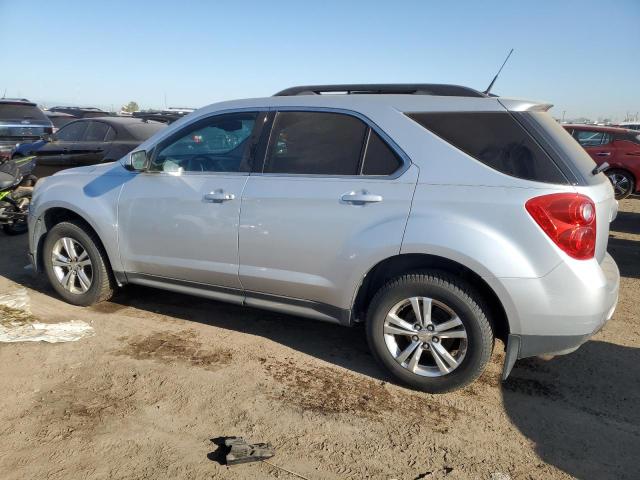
[166, 373]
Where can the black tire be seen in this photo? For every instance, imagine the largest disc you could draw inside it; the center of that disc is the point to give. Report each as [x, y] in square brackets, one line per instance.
[21, 227]
[455, 294]
[102, 283]
[623, 182]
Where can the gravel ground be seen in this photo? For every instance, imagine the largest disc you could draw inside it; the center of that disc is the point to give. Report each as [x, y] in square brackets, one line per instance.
[166, 374]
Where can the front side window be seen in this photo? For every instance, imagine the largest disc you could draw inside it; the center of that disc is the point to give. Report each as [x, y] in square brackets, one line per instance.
[589, 138]
[219, 144]
[73, 132]
[315, 143]
[495, 139]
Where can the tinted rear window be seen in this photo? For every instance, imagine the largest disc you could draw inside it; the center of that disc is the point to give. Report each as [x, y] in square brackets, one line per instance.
[19, 112]
[315, 143]
[495, 139]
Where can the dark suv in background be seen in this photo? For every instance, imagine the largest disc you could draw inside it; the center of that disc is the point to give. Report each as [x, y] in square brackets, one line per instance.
[20, 121]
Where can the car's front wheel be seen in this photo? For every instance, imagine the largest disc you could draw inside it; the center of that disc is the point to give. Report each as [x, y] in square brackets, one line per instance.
[77, 265]
[430, 330]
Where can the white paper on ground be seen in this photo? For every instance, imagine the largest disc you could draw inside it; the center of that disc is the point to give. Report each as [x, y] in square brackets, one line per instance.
[18, 300]
[33, 331]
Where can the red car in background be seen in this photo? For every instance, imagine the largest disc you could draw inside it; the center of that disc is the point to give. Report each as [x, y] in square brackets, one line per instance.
[619, 147]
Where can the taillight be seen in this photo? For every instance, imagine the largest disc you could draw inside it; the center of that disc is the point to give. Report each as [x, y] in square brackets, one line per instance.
[569, 219]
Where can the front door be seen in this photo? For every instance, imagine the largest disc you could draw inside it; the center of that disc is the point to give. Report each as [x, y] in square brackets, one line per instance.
[179, 219]
[56, 155]
[598, 144]
[333, 197]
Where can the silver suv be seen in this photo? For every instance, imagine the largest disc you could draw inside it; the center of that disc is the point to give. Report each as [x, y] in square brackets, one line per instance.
[439, 217]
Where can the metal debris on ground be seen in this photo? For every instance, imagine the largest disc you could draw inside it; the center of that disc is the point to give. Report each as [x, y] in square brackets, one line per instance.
[242, 452]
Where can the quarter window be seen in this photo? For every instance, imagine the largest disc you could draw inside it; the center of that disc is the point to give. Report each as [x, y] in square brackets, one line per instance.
[379, 159]
[495, 139]
[588, 138]
[315, 143]
[72, 132]
[220, 144]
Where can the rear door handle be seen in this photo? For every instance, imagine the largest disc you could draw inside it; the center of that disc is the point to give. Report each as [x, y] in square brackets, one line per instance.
[603, 154]
[218, 196]
[360, 198]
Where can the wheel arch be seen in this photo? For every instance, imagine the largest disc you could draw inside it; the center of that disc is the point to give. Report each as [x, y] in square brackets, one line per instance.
[58, 214]
[405, 263]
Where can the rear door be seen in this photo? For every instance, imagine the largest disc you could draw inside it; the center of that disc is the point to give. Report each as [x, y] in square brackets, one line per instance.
[90, 150]
[332, 197]
[599, 145]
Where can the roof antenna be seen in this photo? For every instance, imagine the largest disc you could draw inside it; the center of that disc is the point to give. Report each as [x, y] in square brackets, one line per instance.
[4, 95]
[486, 92]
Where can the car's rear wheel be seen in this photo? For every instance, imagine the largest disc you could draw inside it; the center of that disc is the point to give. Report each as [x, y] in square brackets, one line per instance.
[622, 181]
[430, 330]
[77, 265]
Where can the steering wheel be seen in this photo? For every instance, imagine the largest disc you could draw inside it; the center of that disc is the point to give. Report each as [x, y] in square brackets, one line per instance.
[205, 164]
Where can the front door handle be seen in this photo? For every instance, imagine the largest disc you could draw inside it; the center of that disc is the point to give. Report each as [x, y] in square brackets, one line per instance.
[603, 154]
[218, 196]
[360, 198]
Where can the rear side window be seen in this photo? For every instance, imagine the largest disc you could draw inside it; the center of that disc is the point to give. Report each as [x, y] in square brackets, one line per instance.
[495, 139]
[96, 132]
[379, 159]
[315, 143]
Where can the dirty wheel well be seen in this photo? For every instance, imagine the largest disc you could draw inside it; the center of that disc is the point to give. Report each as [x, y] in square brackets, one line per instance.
[54, 216]
[402, 264]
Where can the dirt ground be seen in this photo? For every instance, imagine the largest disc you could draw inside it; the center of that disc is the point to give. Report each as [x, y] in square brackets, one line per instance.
[166, 374]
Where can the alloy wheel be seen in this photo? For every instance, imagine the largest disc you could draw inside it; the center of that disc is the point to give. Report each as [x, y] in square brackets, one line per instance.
[621, 184]
[72, 265]
[425, 336]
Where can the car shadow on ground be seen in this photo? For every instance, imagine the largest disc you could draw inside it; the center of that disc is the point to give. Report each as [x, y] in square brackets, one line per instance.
[627, 222]
[581, 410]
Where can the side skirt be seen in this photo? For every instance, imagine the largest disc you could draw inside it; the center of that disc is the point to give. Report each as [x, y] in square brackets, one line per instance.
[287, 305]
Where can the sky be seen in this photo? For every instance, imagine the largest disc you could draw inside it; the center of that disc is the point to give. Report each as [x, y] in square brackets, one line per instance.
[582, 56]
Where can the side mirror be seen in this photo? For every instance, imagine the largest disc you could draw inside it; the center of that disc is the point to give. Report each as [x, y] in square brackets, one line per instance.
[136, 161]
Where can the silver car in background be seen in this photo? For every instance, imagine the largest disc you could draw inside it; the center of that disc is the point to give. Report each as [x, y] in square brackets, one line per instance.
[440, 217]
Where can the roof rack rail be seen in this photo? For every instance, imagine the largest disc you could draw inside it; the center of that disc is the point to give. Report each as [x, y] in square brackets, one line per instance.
[384, 88]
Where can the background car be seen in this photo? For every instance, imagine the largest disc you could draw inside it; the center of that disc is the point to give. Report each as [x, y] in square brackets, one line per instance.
[635, 125]
[167, 116]
[20, 121]
[619, 147]
[59, 119]
[81, 112]
[89, 141]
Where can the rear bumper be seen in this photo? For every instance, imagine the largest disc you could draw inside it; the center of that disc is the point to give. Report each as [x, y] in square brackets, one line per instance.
[562, 310]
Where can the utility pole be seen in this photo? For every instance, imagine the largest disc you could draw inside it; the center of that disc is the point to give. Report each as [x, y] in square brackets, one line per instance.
[563, 112]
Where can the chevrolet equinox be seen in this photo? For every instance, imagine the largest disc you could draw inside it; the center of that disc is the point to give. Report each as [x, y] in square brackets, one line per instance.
[440, 217]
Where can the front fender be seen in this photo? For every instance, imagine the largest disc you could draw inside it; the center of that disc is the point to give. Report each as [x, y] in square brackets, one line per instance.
[94, 198]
